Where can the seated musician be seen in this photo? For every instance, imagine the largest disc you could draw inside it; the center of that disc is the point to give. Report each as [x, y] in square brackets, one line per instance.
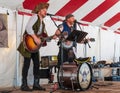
[65, 28]
[67, 54]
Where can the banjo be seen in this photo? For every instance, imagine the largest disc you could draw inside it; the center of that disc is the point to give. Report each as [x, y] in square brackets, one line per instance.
[66, 43]
[69, 44]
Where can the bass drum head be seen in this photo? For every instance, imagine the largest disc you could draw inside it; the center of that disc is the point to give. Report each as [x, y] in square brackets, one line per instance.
[85, 76]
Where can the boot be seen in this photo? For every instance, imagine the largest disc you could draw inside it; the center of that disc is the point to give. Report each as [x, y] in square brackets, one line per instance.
[36, 85]
[24, 86]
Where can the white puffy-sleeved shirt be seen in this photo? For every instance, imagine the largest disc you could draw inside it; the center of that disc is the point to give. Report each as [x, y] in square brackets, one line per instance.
[30, 24]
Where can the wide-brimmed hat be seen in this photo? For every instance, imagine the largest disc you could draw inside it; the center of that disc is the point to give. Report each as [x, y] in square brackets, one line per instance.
[40, 6]
[68, 16]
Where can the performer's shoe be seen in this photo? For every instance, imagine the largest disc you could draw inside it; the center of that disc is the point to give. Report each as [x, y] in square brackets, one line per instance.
[38, 88]
[25, 88]
[36, 85]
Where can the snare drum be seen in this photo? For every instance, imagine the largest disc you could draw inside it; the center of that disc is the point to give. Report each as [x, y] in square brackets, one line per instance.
[72, 76]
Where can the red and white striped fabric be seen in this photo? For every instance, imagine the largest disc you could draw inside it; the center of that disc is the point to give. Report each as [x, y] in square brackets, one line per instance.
[102, 13]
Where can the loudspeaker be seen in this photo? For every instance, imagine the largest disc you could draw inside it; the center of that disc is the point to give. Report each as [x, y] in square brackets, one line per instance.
[47, 61]
[44, 73]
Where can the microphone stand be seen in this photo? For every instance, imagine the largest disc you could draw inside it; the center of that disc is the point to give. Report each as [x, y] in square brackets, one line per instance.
[75, 44]
[86, 42]
[61, 51]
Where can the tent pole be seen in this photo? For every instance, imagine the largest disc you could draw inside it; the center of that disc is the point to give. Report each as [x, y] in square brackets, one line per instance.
[18, 55]
[17, 58]
[99, 44]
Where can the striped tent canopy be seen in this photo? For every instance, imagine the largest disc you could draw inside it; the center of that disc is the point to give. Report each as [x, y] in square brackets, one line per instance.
[102, 13]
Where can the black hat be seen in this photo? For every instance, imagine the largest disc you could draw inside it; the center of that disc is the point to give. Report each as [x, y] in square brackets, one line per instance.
[68, 16]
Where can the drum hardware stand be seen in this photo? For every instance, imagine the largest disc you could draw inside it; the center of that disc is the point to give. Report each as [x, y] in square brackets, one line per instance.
[85, 43]
[61, 46]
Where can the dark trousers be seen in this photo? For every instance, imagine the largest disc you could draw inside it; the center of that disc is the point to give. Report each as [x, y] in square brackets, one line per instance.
[26, 65]
[67, 56]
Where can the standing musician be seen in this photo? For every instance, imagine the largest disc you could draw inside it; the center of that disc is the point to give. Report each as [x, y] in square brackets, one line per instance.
[34, 27]
[63, 31]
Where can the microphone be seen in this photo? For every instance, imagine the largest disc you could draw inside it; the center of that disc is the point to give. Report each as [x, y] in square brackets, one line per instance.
[48, 14]
[77, 22]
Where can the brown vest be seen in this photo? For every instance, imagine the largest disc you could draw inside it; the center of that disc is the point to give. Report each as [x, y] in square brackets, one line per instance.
[35, 27]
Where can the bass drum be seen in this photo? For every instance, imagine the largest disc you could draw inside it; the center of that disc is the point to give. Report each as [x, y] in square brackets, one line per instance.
[71, 76]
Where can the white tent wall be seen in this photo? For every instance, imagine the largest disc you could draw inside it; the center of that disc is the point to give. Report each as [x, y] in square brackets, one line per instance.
[105, 47]
[91, 48]
[8, 55]
[21, 23]
[117, 48]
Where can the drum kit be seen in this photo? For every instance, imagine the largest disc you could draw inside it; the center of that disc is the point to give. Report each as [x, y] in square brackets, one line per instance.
[75, 76]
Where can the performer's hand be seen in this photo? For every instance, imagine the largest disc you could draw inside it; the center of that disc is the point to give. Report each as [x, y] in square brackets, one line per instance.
[57, 34]
[37, 40]
[54, 37]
